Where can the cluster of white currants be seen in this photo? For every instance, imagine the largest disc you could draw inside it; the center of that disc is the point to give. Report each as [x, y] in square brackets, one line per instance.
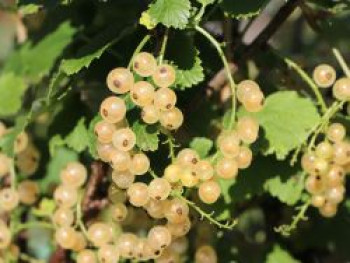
[26, 161]
[325, 77]
[327, 166]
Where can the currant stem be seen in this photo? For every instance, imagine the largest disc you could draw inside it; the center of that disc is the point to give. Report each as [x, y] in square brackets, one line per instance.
[341, 61]
[38, 224]
[163, 48]
[309, 81]
[229, 225]
[139, 48]
[79, 221]
[218, 48]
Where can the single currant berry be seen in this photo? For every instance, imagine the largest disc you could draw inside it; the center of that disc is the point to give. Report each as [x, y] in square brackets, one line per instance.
[168, 256]
[324, 150]
[165, 99]
[28, 192]
[123, 179]
[116, 194]
[150, 114]
[254, 101]
[65, 237]
[125, 244]
[27, 161]
[120, 80]
[104, 131]
[144, 64]
[248, 129]
[66, 196]
[335, 194]
[63, 217]
[119, 212]
[124, 139]
[228, 143]
[324, 76]
[142, 93]
[336, 132]
[179, 245]
[104, 151]
[245, 87]
[100, 234]
[9, 199]
[206, 254]
[159, 189]
[172, 173]
[314, 184]
[204, 169]
[80, 242]
[341, 154]
[140, 164]
[320, 166]
[227, 168]
[159, 237]
[171, 119]
[155, 208]
[138, 194]
[74, 174]
[335, 176]
[341, 89]
[318, 200]
[143, 251]
[209, 192]
[187, 157]
[164, 76]
[21, 142]
[108, 254]
[328, 210]
[113, 109]
[120, 160]
[244, 158]
[176, 211]
[86, 256]
[189, 177]
[180, 229]
[308, 161]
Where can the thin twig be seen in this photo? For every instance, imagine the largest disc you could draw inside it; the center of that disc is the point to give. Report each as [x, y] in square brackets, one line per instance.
[139, 48]
[341, 62]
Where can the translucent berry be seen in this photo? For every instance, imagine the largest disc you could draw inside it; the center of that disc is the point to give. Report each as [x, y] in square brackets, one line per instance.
[104, 151]
[336, 132]
[254, 101]
[159, 237]
[227, 168]
[180, 229]
[244, 158]
[9, 199]
[80, 242]
[108, 254]
[248, 129]
[99, 234]
[206, 254]
[165, 99]
[189, 177]
[314, 184]
[138, 194]
[159, 189]
[171, 119]
[341, 89]
[144, 64]
[126, 244]
[324, 150]
[176, 211]
[65, 237]
[335, 176]
[245, 87]
[328, 210]
[307, 162]
[116, 194]
[21, 142]
[63, 217]
[205, 170]
[86, 256]
[124, 139]
[209, 192]
[120, 80]
[318, 200]
[335, 194]
[28, 192]
[341, 154]
[74, 174]
[150, 114]
[172, 173]
[164, 76]
[142, 93]
[228, 143]
[155, 208]
[27, 161]
[104, 131]
[123, 179]
[187, 157]
[119, 212]
[120, 160]
[113, 109]
[324, 76]
[66, 196]
[140, 164]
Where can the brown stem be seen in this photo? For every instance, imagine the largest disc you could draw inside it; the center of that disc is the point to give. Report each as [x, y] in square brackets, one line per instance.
[271, 29]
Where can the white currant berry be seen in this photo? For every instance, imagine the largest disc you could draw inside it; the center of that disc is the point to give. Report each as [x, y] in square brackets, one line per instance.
[324, 75]
[113, 109]
[171, 119]
[142, 93]
[209, 192]
[341, 89]
[164, 76]
[120, 80]
[144, 64]
[74, 174]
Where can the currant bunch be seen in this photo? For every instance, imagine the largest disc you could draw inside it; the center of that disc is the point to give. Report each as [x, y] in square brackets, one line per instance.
[327, 166]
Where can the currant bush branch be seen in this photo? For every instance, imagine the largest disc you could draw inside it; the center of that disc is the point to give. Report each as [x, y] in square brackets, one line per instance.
[341, 62]
[209, 216]
[232, 83]
[286, 230]
[309, 81]
[163, 48]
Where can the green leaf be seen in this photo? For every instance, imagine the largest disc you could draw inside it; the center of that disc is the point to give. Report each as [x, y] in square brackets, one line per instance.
[286, 120]
[55, 143]
[186, 78]
[202, 146]
[57, 163]
[12, 89]
[279, 255]
[242, 9]
[29, 9]
[45, 209]
[171, 13]
[146, 136]
[92, 136]
[289, 191]
[78, 139]
[36, 61]
[73, 66]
